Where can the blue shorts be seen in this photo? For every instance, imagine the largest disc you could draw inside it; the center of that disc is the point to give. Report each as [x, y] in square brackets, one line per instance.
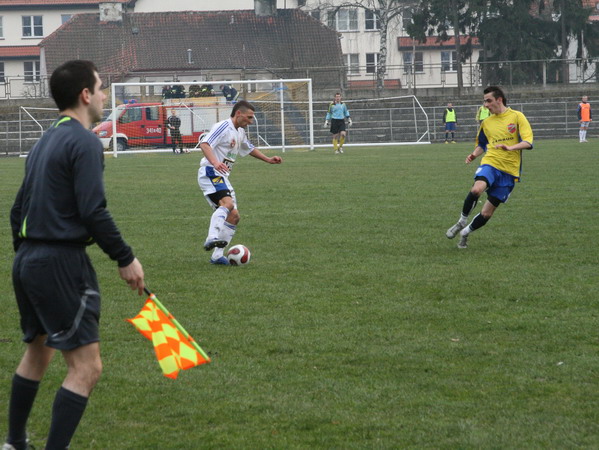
[450, 126]
[500, 184]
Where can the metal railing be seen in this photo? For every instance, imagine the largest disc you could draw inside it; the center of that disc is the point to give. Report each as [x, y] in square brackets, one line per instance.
[435, 75]
[373, 123]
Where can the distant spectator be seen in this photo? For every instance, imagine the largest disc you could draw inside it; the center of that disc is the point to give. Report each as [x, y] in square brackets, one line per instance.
[482, 113]
[178, 91]
[206, 90]
[585, 117]
[194, 89]
[229, 92]
[203, 90]
[166, 91]
[450, 120]
[173, 123]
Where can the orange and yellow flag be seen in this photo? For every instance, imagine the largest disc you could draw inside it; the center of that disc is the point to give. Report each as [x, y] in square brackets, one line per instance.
[175, 348]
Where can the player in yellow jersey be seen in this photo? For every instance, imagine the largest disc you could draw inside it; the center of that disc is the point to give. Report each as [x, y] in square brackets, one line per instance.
[501, 138]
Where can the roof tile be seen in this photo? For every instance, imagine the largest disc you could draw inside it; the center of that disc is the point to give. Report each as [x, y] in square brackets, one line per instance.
[30, 3]
[217, 40]
[19, 51]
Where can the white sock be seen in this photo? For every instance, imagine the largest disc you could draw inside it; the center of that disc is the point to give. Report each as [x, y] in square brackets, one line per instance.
[463, 219]
[584, 135]
[466, 231]
[226, 234]
[581, 135]
[216, 221]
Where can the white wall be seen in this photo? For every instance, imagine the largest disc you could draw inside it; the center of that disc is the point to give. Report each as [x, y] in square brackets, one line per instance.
[13, 29]
[203, 5]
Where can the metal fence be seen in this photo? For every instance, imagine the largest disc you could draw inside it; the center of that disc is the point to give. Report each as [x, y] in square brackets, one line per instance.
[437, 75]
[373, 122]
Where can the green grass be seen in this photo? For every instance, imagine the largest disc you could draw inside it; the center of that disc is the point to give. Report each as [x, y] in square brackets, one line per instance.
[357, 323]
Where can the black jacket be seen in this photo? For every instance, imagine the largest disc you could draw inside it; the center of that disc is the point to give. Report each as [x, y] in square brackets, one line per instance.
[62, 199]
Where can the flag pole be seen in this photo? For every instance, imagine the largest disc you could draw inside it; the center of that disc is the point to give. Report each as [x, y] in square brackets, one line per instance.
[176, 323]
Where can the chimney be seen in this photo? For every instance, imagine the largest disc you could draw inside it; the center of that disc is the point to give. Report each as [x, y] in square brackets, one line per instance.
[111, 12]
[265, 7]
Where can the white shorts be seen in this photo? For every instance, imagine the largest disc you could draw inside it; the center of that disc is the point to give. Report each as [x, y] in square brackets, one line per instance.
[211, 182]
[584, 124]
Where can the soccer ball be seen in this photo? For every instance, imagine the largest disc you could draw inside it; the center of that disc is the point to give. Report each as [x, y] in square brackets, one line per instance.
[238, 255]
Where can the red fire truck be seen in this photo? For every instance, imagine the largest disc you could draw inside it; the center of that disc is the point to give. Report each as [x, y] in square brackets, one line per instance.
[143, 125]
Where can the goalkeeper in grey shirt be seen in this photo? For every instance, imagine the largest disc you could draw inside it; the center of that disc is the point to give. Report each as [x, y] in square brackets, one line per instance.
[59, 210]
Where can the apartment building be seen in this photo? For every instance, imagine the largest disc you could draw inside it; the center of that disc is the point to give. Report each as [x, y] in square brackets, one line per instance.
[23, 25]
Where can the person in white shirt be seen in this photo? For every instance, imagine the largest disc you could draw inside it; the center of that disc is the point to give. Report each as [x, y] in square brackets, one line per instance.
[221, 146]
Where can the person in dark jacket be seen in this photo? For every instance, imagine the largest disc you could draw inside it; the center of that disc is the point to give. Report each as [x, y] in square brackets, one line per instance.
[230, 93]
[173, 123]
[60, 209]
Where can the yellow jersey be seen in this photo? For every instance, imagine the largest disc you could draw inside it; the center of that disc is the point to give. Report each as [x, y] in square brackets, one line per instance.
[509, 128]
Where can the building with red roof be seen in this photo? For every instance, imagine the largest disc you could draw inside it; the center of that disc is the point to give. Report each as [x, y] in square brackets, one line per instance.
[23, 25]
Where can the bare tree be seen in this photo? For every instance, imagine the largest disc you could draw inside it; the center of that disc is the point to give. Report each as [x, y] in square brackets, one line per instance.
[385, 12]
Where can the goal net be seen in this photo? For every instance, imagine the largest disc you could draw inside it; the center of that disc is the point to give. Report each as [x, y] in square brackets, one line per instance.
[140, 113]
[389, 121]
[286, 115]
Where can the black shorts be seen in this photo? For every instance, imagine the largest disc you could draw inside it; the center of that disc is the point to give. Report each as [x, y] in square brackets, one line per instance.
[176, 136]
[337, 125]
[57, 294]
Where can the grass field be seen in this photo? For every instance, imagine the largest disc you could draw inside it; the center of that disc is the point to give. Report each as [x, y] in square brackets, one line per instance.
[358, 324]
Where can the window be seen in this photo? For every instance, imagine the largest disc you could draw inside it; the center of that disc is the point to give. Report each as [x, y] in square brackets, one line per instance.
[33, 26]
[352, 63]
[131, 115]
[315, 13]
[372, 20]
[372, 60]
[344, 20]
[2, 79]
[64, 18]
[31, 71]
[1, 27]
[152, 113]
[417, 62]
[449, 61]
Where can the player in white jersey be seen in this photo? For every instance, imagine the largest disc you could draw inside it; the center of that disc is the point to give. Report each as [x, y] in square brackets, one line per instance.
[221, 146]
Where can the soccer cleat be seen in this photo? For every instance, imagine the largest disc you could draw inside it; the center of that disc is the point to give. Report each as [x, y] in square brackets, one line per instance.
[463, 241]
[211, 243]
[28, 446]
[340, 150]
[222, 261]
[337, 152]
[446, 142]
[453, 231]
[453, 142]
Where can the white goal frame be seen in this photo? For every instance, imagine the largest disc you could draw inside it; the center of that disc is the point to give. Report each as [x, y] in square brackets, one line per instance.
[280, 82]
[423, 136]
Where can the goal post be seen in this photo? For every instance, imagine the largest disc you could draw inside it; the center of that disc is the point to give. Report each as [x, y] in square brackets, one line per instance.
[287, 117]
[383, 121]
[140, 112]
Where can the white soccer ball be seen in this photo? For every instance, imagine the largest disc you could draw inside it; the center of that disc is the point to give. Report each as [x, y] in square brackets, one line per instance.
[238, 255]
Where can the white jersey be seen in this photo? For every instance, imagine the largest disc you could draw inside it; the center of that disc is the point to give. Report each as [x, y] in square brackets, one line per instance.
[227, 142]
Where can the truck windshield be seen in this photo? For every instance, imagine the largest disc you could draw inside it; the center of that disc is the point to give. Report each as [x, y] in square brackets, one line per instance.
[117, 112]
